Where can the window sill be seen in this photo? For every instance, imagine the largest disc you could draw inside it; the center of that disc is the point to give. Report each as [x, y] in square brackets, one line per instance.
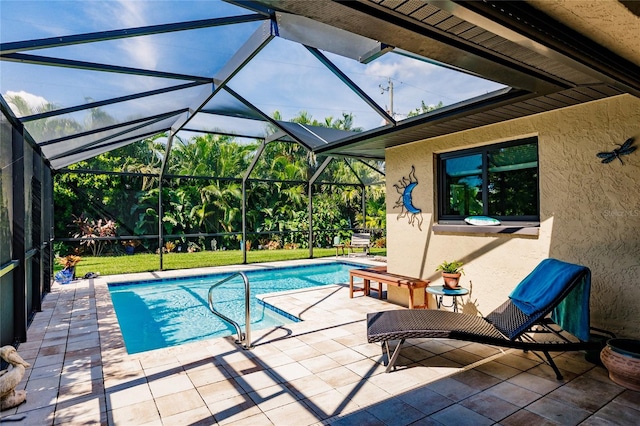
[528, 229]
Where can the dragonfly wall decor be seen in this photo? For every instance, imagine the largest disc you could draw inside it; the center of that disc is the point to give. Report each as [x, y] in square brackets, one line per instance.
[625, 149]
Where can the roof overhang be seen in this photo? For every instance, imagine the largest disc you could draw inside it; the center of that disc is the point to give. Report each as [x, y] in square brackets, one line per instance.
[547, 64]
[548, 56]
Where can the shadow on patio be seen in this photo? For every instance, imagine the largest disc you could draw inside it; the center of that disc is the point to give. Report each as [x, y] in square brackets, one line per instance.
[319, 371]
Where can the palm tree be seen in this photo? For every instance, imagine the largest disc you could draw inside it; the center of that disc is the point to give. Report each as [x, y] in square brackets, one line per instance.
[146, 158]
[424, 108]
[216, 204]
[212, 201]
[46, 128]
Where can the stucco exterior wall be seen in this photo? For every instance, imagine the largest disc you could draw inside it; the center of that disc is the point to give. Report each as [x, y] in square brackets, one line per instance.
[589, 211]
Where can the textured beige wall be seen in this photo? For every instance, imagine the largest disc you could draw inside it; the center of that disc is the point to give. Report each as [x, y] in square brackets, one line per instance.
[590, 212]
[607, 22]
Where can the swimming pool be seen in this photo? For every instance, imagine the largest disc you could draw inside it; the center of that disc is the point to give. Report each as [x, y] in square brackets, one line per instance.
[167, 312]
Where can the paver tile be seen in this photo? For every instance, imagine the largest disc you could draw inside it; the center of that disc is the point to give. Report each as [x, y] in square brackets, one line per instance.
[317, 372]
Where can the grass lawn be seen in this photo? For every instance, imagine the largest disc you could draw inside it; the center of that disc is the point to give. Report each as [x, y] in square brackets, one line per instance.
[113, 265]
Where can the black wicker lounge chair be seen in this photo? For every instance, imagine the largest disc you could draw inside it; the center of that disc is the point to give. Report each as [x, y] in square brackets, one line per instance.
[507, 326]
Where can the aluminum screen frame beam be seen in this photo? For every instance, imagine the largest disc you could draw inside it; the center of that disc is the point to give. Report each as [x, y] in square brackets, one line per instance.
[460, 109]
[94, 66]
[322, 36]
[351, 85]
[209, 132]
[102, 149]
[258, 40]
[163, 169]
[110, 101]
[363, 187]
[45, 43]
[112, 127]
[374, 21]
[371, 167]
[84, 148]
[312, 180]
[245, 178]
[264, 116]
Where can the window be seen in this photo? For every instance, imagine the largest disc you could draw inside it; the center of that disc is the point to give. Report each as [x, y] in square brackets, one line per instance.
[500, 181]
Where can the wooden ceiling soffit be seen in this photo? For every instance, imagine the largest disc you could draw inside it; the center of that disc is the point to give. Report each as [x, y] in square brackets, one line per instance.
[393, 29]
[526, 26]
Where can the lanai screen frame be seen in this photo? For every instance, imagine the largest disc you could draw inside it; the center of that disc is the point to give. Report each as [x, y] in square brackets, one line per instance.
[314, 180]
[14, 51]
[315, 36]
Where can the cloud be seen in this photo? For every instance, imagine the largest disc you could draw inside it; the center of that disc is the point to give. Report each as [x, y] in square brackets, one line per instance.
[140, 51]
[415, 82]
[34, 102]
[283, 77]
[401, 68]
[144, 53]
[286, 77]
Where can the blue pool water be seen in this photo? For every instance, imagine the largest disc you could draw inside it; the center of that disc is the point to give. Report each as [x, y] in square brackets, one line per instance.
[168, 312]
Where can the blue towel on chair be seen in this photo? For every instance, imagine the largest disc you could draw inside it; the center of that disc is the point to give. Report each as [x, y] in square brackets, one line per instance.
[572, 314]
[545, 283]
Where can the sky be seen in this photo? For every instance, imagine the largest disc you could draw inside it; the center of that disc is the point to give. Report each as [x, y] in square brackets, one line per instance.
[284, 76]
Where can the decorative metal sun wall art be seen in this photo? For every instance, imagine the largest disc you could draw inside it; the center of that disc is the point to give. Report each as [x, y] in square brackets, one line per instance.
[625, 149]
[405, 187]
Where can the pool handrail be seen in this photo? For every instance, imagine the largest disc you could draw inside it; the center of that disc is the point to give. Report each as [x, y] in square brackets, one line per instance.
[243, 338]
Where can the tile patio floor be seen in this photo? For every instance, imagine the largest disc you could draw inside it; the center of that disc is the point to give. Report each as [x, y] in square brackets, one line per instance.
[316, 372]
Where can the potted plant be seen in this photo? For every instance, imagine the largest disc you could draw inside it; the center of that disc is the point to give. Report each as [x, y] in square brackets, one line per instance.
[69, 263]
[451, 272]
[130, 246]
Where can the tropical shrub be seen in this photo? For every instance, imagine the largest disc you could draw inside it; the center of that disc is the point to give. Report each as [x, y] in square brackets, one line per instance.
[380, 242]
[273, 245]
[90, 229]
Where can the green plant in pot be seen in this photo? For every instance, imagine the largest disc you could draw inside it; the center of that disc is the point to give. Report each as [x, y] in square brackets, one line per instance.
[451, 273]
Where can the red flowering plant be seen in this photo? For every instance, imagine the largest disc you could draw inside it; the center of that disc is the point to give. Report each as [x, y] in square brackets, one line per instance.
[89, 230]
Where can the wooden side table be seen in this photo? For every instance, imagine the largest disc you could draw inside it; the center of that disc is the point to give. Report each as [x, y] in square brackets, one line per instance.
[440, 291]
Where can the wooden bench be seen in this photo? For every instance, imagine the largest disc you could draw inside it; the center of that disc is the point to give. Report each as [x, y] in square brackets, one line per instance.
[380, 275]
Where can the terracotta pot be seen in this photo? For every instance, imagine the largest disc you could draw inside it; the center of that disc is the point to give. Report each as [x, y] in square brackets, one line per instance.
[451, 280]
[622, 358]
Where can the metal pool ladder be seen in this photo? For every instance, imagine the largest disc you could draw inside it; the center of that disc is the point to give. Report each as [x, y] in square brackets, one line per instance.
[243, 338]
